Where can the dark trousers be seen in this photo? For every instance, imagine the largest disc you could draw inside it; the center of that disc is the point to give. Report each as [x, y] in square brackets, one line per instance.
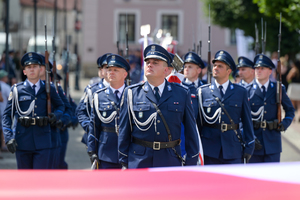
[213, 161]
[62, 163]
[54, 158]
[109, 165]
[38, 159]
[265, 158]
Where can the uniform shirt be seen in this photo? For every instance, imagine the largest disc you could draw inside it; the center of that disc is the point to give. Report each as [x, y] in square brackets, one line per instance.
[266, 85]
[195, 82]
[225, 85]
[245, 84]
[160, 88]
[120, 90]
[37, 84]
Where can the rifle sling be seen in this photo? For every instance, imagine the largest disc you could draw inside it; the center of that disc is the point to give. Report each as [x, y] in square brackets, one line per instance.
[231, 121]
[168, 130]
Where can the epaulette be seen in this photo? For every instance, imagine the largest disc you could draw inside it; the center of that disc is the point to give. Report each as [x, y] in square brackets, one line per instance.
[180, 85]
[98, 91]
[18, 84]
[204, 86]
[93, 85]
[135, 85]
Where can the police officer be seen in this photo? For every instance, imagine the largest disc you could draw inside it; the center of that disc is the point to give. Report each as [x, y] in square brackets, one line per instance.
[193, 65]
[151, 116]
[246, 71]
[83, 110]
[104, 125]
[264, 112]
[56, 142]
[30, 138]
[223, 106]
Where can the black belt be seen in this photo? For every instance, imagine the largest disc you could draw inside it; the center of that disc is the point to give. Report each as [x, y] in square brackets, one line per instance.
[156, 145]
[31, 121]
[223, 127]
[271, 125]
[108, 129]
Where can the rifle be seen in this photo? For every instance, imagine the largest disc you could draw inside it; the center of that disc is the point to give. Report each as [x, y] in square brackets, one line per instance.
[47, 74]
[256, 41]
[200, 47]
[262, 36]
[126, 56]
[118, 41]
[54, 66]
[279, 88]
[66, 83]
[209, 71]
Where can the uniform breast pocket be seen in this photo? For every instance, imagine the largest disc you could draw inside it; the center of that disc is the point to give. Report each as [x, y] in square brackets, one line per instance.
[140, 110]
[235, 104]
[105, 109]
[210, 106]
[255, 105]
[24, 101]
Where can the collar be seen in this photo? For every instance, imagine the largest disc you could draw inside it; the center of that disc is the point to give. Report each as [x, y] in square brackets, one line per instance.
[160, 87]
[190, 82]
[37, 84]
[105, 83]
[119, 89]
[225, 85]
[246, 84]
[266, 84]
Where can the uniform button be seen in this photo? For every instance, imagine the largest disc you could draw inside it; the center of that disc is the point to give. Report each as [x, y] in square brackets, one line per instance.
[264, 129]
[212, 103]
[235, 105]
[253, 104]
[35, 98]
[99, 140]
[34, 114]
[158, 121]
[265, 103]
[265, 111]
[222, 104]
[176, 110]
[104, 108]
[133, 151]
[35, 106]
[24, 98]
[140, 109]
[222, 113]
[158, 133]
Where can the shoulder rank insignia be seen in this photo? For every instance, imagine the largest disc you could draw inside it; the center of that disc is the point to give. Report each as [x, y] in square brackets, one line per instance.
[272, 85]
[100, 85]
[231, 86]
[107, 91]
[146, 88]
[254, 86]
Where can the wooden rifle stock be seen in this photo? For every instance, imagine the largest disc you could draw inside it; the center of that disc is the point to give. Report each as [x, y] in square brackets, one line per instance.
[54, 66]
[47, 74]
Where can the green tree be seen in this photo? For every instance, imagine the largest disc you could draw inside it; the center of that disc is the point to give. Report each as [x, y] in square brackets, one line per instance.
[243, 14]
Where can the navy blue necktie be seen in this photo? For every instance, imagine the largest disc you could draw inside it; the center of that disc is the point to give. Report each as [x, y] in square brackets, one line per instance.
[117, 97]
[156, 93]
[264, 90]
[33, 87]
[221, 91]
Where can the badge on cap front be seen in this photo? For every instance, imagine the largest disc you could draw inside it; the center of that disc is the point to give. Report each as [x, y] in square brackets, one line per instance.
[153, 48]
[30, 55]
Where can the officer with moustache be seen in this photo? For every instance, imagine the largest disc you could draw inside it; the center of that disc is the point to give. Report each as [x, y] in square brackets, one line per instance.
[30, 138]
[264, 112]
[223, 105]
[151, 116]
[104, 124]
[246, 71]
[83, 110]
[193, 65]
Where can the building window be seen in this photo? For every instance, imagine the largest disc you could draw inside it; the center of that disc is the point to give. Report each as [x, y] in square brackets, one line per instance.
[232, 37]
[130, 25]
[169, 24]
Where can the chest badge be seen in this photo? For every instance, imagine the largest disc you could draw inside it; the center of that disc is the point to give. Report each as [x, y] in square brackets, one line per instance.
[141, 115]
[208, 109]
[104, 114]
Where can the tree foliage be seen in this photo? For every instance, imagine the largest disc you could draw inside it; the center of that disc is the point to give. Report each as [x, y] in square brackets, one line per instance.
[243, 14]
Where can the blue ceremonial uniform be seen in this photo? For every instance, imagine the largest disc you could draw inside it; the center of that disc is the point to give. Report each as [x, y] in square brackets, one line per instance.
[225, 145]
[64, 134]
[139, 119]
[194, 95]
[34, 142]
[103, 134]
[270, 139]
[83, 110]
